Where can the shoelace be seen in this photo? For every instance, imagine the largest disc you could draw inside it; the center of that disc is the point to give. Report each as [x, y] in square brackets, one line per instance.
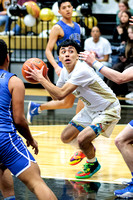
[87, 167]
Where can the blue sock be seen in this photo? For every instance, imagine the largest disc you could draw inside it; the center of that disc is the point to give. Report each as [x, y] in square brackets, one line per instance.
[10, 198]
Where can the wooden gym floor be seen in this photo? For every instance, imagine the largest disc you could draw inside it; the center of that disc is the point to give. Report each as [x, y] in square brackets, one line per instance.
[53, 159]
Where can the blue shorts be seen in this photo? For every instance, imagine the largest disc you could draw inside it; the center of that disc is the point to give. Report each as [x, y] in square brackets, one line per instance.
[14, 153]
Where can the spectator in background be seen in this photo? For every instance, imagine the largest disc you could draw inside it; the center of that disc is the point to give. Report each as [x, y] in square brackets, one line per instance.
[17, 29]
[100, 46]
[120, 37]
[120, 34]
[3, 15]
[126, 62]
[123, 6]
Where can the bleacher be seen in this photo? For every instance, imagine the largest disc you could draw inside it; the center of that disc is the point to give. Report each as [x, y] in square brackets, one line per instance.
[29, 39]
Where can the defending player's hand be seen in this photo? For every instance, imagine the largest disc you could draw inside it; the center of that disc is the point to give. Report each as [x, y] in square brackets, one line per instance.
[87, 56]
[34, 145]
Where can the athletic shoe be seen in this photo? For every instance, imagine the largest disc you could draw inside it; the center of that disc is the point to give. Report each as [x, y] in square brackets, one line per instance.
[88, 170]
[126, 193]
[77, 158]
[127, 182]
[32, 110]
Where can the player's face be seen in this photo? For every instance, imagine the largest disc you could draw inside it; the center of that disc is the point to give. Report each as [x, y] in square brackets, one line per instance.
[124, 17]
[130, 33]
[95, 33]
[68, 56]
[66, 10]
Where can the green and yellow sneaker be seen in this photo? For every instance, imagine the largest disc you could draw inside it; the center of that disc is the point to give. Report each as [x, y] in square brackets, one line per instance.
[88, 170]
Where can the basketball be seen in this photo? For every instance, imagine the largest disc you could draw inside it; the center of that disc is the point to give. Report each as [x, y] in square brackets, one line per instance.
[38, 63]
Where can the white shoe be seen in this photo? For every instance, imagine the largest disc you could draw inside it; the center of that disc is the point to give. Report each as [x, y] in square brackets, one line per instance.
[130, 95]
[10, 33]
[3, 33]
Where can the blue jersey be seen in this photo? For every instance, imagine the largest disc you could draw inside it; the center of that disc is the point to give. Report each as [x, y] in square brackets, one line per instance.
[13, 152]
[69, 32]
[6, 118]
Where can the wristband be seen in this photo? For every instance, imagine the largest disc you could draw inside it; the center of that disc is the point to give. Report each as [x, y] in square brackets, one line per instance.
[97, 65]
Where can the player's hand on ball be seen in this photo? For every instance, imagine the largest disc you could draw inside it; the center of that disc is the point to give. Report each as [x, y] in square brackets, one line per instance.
[34, 73]
[33, 63]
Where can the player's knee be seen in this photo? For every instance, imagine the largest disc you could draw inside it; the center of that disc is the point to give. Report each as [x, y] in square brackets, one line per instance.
[65, 137]
[118, 142]
[81, 142]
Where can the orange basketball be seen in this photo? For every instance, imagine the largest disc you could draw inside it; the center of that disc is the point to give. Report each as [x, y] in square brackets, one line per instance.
[38, 63]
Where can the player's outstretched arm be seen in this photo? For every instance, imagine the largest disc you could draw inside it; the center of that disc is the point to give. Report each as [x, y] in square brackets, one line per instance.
[115, 76]
[65, 103]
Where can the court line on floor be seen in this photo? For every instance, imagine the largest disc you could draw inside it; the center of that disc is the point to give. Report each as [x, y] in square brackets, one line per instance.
[86, 180]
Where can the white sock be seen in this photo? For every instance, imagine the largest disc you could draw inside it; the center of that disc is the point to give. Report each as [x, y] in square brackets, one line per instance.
[92, 160]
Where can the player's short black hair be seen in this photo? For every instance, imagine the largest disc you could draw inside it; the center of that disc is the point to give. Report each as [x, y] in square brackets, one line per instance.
[3, 51]
[62, 1]
[69, 42]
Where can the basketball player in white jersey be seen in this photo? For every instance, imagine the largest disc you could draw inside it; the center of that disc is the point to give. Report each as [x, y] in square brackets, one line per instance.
[101, 110]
